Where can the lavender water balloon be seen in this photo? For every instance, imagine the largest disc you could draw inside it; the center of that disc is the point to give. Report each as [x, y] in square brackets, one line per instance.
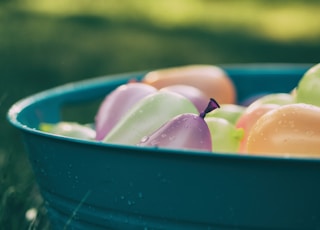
[185, 131]
[118, 103]
[195, 95]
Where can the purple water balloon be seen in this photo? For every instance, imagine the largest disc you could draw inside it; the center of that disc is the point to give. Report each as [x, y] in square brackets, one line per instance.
[195, 95]
[117, 103]
[185, 131]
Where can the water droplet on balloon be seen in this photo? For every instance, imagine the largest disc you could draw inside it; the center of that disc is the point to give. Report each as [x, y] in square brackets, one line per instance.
[144, 139]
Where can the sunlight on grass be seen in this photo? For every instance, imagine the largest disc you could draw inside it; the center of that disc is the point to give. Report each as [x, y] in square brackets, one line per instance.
[275, 21]
[292, 23]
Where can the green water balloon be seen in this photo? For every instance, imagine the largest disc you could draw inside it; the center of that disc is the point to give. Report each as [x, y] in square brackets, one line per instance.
[225, 136]
[147, 115]
[230, 112]
[69, 129]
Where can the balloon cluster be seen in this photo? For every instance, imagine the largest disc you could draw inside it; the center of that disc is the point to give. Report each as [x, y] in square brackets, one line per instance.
[194, 107]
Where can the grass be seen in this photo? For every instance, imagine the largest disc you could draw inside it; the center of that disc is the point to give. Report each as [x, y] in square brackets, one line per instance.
[48, 43]
[262, 18]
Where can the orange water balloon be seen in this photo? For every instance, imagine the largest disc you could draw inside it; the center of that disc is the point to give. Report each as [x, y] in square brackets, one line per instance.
[211, 80]
[290, 130]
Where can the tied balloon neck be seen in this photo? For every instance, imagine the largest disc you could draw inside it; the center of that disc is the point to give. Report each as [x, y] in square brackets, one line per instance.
[212, 105]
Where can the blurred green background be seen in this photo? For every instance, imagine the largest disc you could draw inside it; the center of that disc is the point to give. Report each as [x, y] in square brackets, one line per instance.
[45, 43]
